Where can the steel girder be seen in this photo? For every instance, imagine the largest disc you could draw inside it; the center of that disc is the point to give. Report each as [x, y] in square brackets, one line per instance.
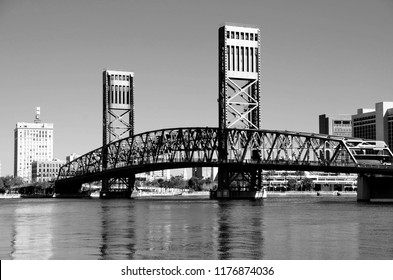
[245, 149]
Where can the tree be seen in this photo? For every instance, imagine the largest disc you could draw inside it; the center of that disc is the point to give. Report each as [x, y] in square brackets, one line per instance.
[177, 182]
[8, 181]
[195, 183]
[307, 184]
[2, 188]
[292, 184]
[17, 181]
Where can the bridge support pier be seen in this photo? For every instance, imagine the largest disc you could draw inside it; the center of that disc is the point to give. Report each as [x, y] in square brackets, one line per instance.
[70, 190]
[373, 188]
[238, 185]
[117, 188]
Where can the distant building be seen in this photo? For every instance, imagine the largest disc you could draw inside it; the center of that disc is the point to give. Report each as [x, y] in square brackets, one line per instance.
[33, 142]
[375, 124]
[154, 175]
[160, 174]
[44, 171]
[205, 172]
[71, 157]
[339, 125]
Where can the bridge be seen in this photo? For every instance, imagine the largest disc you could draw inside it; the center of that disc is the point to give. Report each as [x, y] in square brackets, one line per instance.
[245, 151]
[238, 147]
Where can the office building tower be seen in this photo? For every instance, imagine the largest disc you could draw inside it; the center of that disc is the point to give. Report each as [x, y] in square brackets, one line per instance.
[44, 171]
[33, 142]
[375, 124]
[339, 125]
[239, 77]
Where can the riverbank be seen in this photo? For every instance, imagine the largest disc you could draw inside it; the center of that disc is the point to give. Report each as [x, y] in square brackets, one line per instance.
[206, 194]
[312, 193]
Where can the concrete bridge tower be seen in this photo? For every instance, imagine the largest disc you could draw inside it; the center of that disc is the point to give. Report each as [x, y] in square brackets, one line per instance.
[118, 123]
[239, 101]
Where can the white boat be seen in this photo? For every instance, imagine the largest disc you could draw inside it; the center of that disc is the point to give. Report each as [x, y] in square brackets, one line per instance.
[10, 195]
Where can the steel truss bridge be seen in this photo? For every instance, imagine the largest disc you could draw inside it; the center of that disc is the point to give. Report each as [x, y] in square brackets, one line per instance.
[241, 151]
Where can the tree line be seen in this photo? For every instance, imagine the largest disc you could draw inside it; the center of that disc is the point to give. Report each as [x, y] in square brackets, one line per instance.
[9, 181]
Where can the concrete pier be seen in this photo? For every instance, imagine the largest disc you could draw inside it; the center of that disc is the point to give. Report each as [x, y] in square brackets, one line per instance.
[373, 188]
[231, 194]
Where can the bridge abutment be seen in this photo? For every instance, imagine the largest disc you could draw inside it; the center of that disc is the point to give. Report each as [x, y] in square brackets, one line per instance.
[375, 188]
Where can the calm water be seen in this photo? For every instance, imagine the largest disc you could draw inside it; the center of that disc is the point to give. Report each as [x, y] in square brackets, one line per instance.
[276, 228]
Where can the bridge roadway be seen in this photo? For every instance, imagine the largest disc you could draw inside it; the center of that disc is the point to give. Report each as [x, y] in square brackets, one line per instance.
[235, 150]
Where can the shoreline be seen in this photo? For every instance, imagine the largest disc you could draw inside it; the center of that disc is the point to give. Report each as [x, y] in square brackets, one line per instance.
[312, 193]
[206, 194]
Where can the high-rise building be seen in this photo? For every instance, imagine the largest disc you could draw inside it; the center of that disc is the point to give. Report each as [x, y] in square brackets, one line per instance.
[33, 142]
[339, 125]
[44, 171]
[375, 124]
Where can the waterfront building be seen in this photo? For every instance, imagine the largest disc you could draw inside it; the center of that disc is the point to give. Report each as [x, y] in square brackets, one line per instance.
[323, 181]
[44, 171]
[375, 124]
[32, 142]
[339, 125]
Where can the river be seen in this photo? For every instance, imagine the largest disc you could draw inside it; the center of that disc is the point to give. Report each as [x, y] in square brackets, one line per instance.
[290, 228]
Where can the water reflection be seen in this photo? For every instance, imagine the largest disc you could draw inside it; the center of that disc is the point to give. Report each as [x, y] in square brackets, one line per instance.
[282, 228]
[118, 229]
[240, 230]
[32, 235]
[311, 229]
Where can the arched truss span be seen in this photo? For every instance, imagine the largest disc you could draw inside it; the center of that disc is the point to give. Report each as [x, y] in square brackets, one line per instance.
[263, 149]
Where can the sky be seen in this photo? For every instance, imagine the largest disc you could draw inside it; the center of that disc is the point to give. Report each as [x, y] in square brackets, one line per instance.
[318, 57]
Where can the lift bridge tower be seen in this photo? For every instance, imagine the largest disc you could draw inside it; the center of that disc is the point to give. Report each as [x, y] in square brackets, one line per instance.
[118, 123]
[238, 98]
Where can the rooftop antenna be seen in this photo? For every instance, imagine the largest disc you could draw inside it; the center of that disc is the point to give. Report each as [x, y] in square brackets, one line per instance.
[37, 114]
